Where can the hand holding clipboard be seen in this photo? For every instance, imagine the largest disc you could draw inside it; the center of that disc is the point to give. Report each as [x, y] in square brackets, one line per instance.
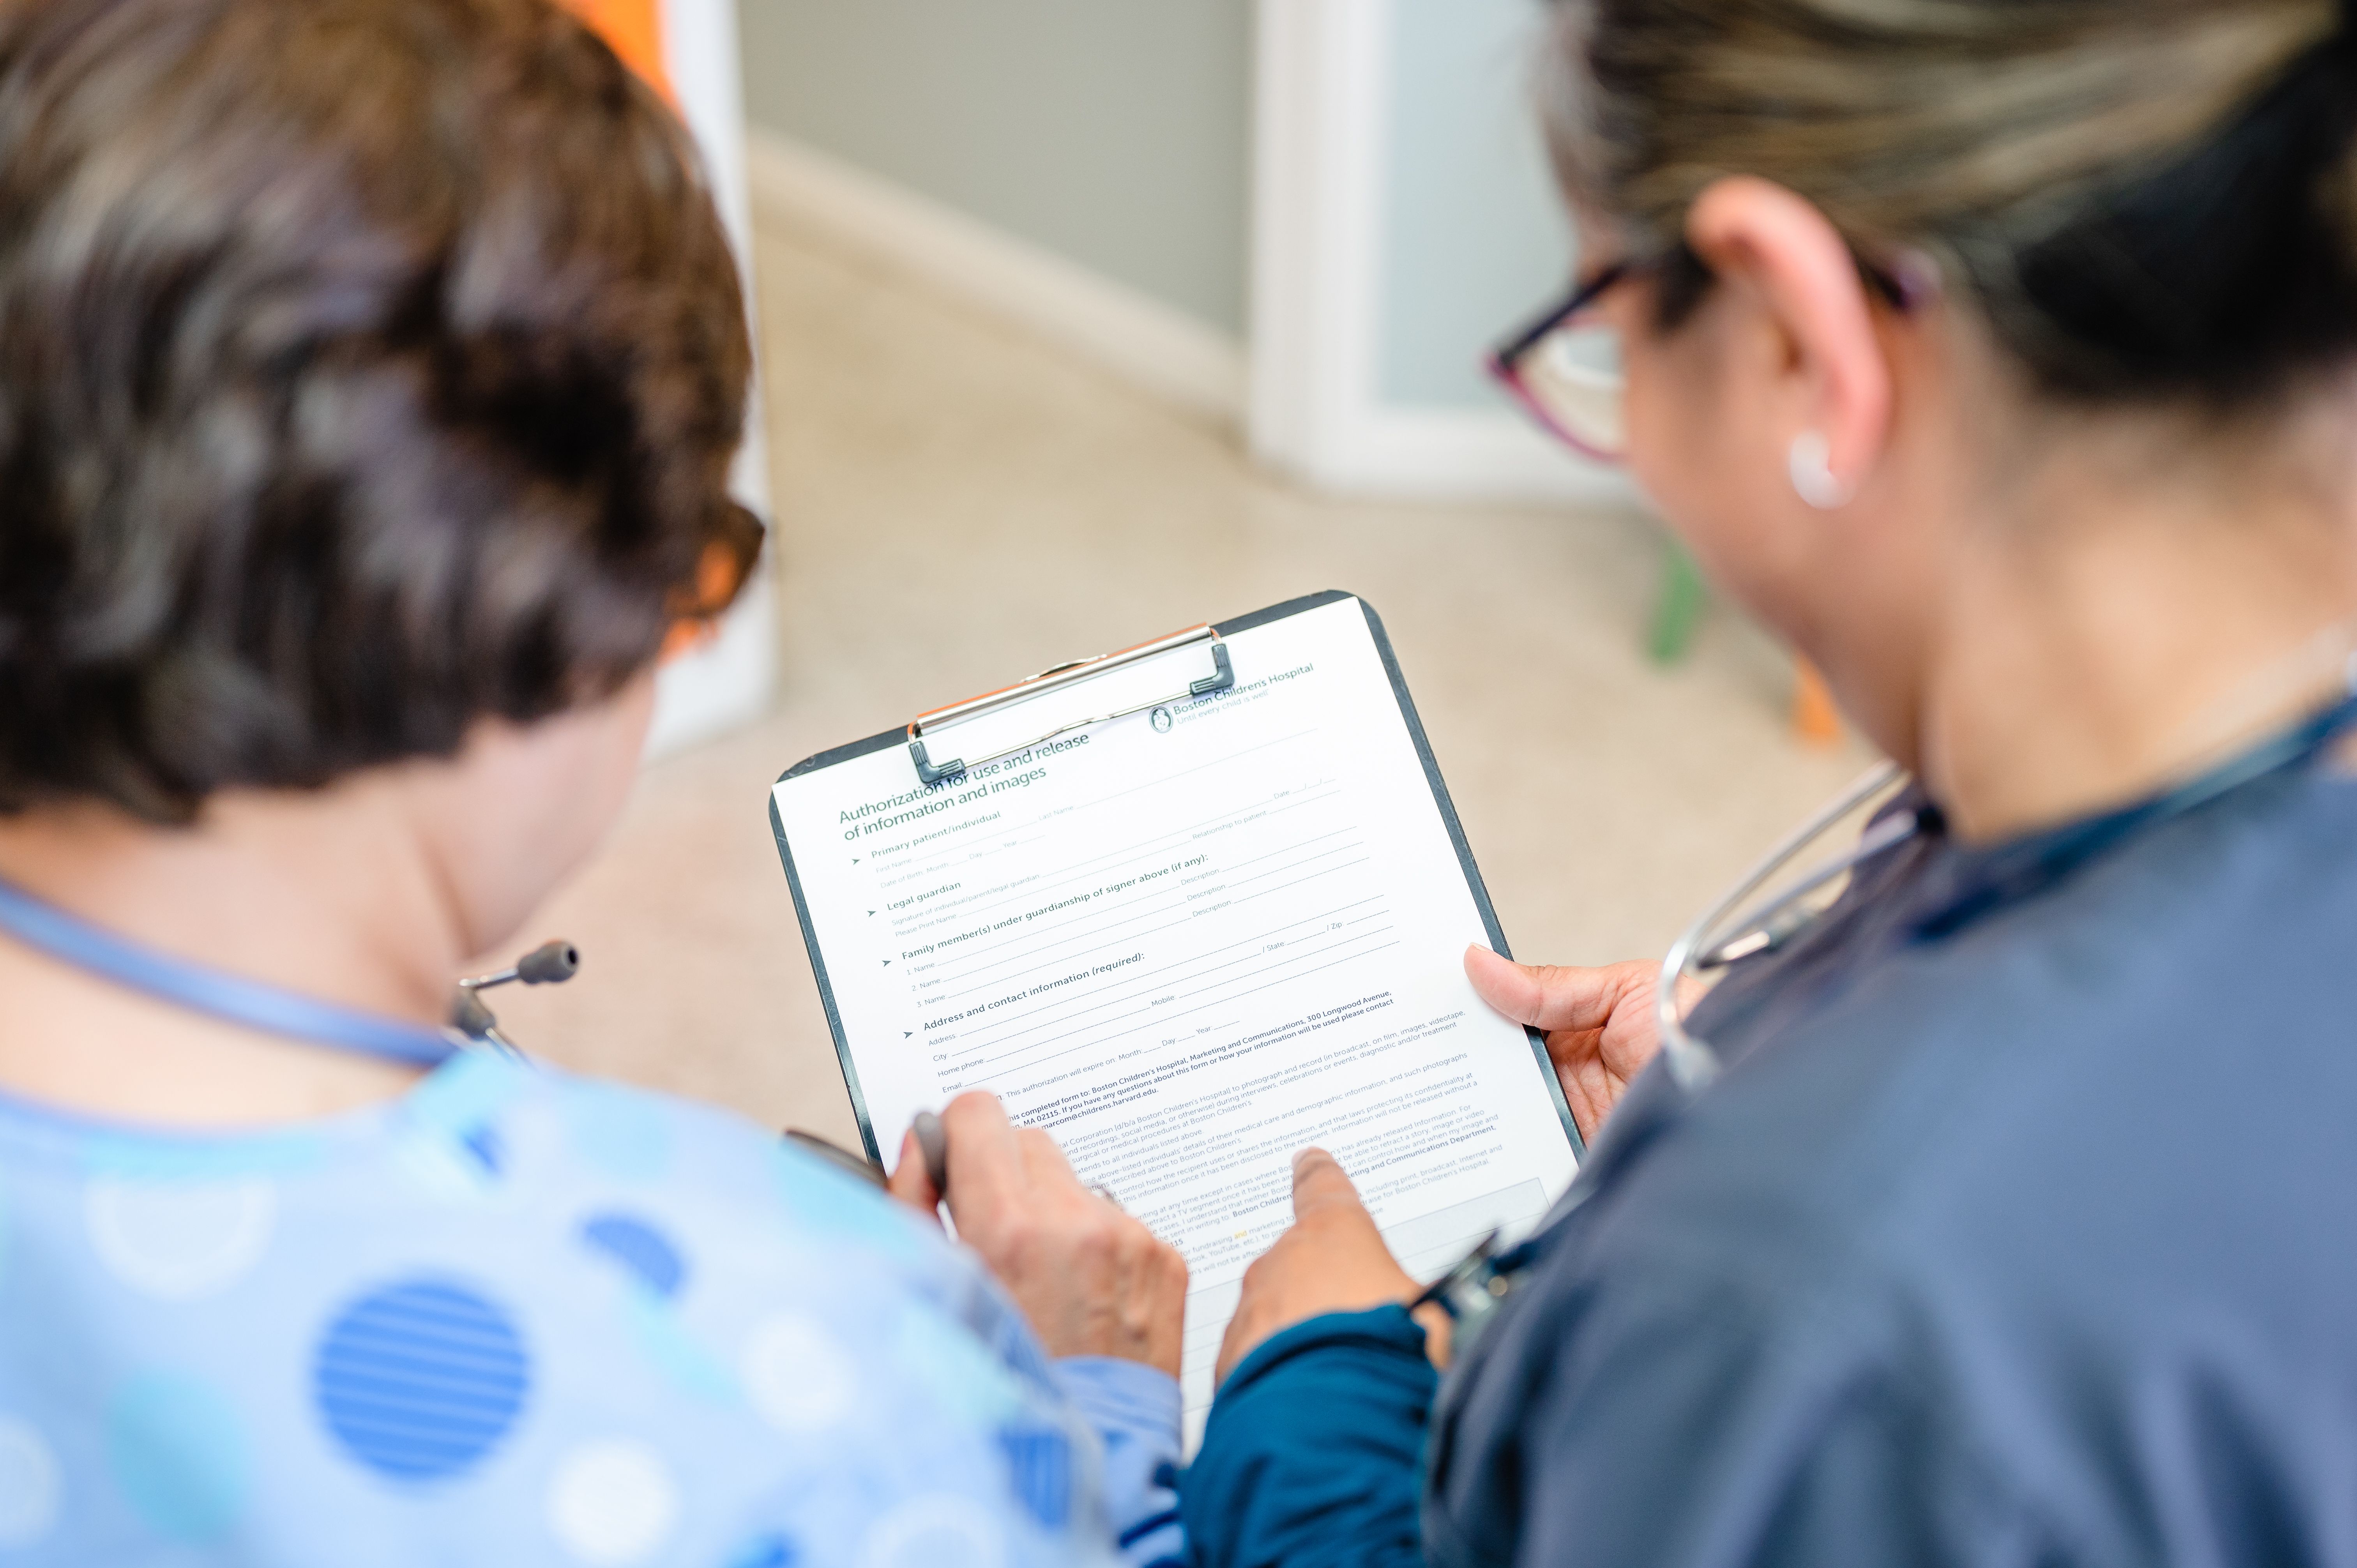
[1189, 909]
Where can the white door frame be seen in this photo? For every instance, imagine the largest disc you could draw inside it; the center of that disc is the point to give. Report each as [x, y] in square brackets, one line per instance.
[728, 681]
[1322, 137]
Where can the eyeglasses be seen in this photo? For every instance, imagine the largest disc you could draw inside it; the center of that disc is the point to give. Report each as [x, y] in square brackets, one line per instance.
[724, 566]
[1564, 368]
[722, 570]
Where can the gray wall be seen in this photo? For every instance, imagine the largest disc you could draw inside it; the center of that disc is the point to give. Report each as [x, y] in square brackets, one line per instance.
[1113, 131]
[1474, 239]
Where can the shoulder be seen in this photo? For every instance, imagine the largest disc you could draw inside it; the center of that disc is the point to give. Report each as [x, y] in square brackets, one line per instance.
[2145, 1057]
[2003, 1188]
[2187, 989]
[816, 1355]
[519, 1306]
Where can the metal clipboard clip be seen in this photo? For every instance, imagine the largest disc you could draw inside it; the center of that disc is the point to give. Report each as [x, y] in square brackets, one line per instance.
[1222, 677]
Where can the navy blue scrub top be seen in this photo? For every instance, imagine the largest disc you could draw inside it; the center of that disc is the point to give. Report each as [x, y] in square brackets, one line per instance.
[2022, 1228]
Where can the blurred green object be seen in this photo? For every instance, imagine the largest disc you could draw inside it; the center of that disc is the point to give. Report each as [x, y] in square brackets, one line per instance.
[1678, 607]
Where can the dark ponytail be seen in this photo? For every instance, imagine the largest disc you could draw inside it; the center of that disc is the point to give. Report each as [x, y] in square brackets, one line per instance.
[2229, 271]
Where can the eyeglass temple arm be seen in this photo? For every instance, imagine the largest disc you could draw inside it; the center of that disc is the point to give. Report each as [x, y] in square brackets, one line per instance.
[1580, 298]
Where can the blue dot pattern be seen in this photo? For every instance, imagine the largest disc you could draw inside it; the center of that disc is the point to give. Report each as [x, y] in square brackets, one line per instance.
[768, 1552]
[632, 1332]
[483, 1143]
[642, 1250]
[420, 1379]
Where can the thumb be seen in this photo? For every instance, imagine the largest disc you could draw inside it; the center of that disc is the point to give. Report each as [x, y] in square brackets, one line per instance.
[1320, 1182]
[1543, 996]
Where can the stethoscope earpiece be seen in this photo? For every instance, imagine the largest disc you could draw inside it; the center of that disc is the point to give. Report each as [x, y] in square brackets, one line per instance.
[551, 964]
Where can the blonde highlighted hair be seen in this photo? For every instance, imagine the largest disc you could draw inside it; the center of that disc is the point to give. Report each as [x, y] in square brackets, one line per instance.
[2149, 198]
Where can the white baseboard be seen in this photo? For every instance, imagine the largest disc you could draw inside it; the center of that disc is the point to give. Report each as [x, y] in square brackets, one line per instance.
[1161, 351]
[1360, 446]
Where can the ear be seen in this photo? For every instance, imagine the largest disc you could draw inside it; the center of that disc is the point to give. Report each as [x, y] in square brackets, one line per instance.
[1826, 357]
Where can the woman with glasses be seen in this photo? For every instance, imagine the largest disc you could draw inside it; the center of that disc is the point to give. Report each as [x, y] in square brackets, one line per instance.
[1986, 1193]
[370, 374]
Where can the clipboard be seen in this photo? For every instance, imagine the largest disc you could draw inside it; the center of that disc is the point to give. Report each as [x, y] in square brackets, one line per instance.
[937, 729]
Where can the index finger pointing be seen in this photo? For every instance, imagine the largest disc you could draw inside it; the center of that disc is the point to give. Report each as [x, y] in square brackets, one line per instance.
[985, 1162]
[1320, 1182]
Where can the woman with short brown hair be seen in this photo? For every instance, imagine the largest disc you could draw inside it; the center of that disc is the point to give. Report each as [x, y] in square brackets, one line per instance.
[370, 374]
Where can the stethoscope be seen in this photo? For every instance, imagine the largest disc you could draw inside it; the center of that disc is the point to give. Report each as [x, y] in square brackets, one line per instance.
[1701, 949]
[1735, 928]
[269, 1009]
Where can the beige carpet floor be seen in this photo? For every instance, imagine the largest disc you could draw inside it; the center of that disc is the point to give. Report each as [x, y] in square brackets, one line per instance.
[957, 505]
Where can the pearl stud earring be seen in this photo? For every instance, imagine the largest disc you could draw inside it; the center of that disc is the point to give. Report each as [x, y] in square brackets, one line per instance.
[1814, 480]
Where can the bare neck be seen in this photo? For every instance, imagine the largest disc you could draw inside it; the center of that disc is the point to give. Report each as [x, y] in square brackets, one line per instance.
[332, 896]
[2132, 612]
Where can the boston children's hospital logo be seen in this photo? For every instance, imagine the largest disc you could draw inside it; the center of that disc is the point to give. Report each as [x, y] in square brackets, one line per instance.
[1162, 721]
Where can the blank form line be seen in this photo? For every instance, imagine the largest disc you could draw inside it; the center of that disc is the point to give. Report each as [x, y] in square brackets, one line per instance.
[1183, 996]
[1108, 1039]
[1083, 936]
[1301, 843]
[1177, 963]
[1283, 886]
[1031, 886]
[942, 914]
[1087, 915]
[1174, 778]
[1086, 936]
[1311, 877]
[1143, 846]
[983, 1045]
[1279, 871]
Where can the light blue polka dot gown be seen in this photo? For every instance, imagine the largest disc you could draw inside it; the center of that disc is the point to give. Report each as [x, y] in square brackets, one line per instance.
[520, 1317]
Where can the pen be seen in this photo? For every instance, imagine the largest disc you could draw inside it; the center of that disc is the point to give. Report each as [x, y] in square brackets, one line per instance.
[933, 1144]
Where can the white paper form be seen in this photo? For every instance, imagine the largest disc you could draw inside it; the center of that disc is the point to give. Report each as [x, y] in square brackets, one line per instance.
[1189, 943]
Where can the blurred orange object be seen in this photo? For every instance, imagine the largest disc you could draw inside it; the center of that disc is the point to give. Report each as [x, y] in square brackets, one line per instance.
[1815, 720]
[632, 30]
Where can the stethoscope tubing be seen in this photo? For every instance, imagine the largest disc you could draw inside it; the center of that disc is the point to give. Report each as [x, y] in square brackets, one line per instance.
[1694, 1065]
[1692, 1061]
[1653, 1100]
[232, 999]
